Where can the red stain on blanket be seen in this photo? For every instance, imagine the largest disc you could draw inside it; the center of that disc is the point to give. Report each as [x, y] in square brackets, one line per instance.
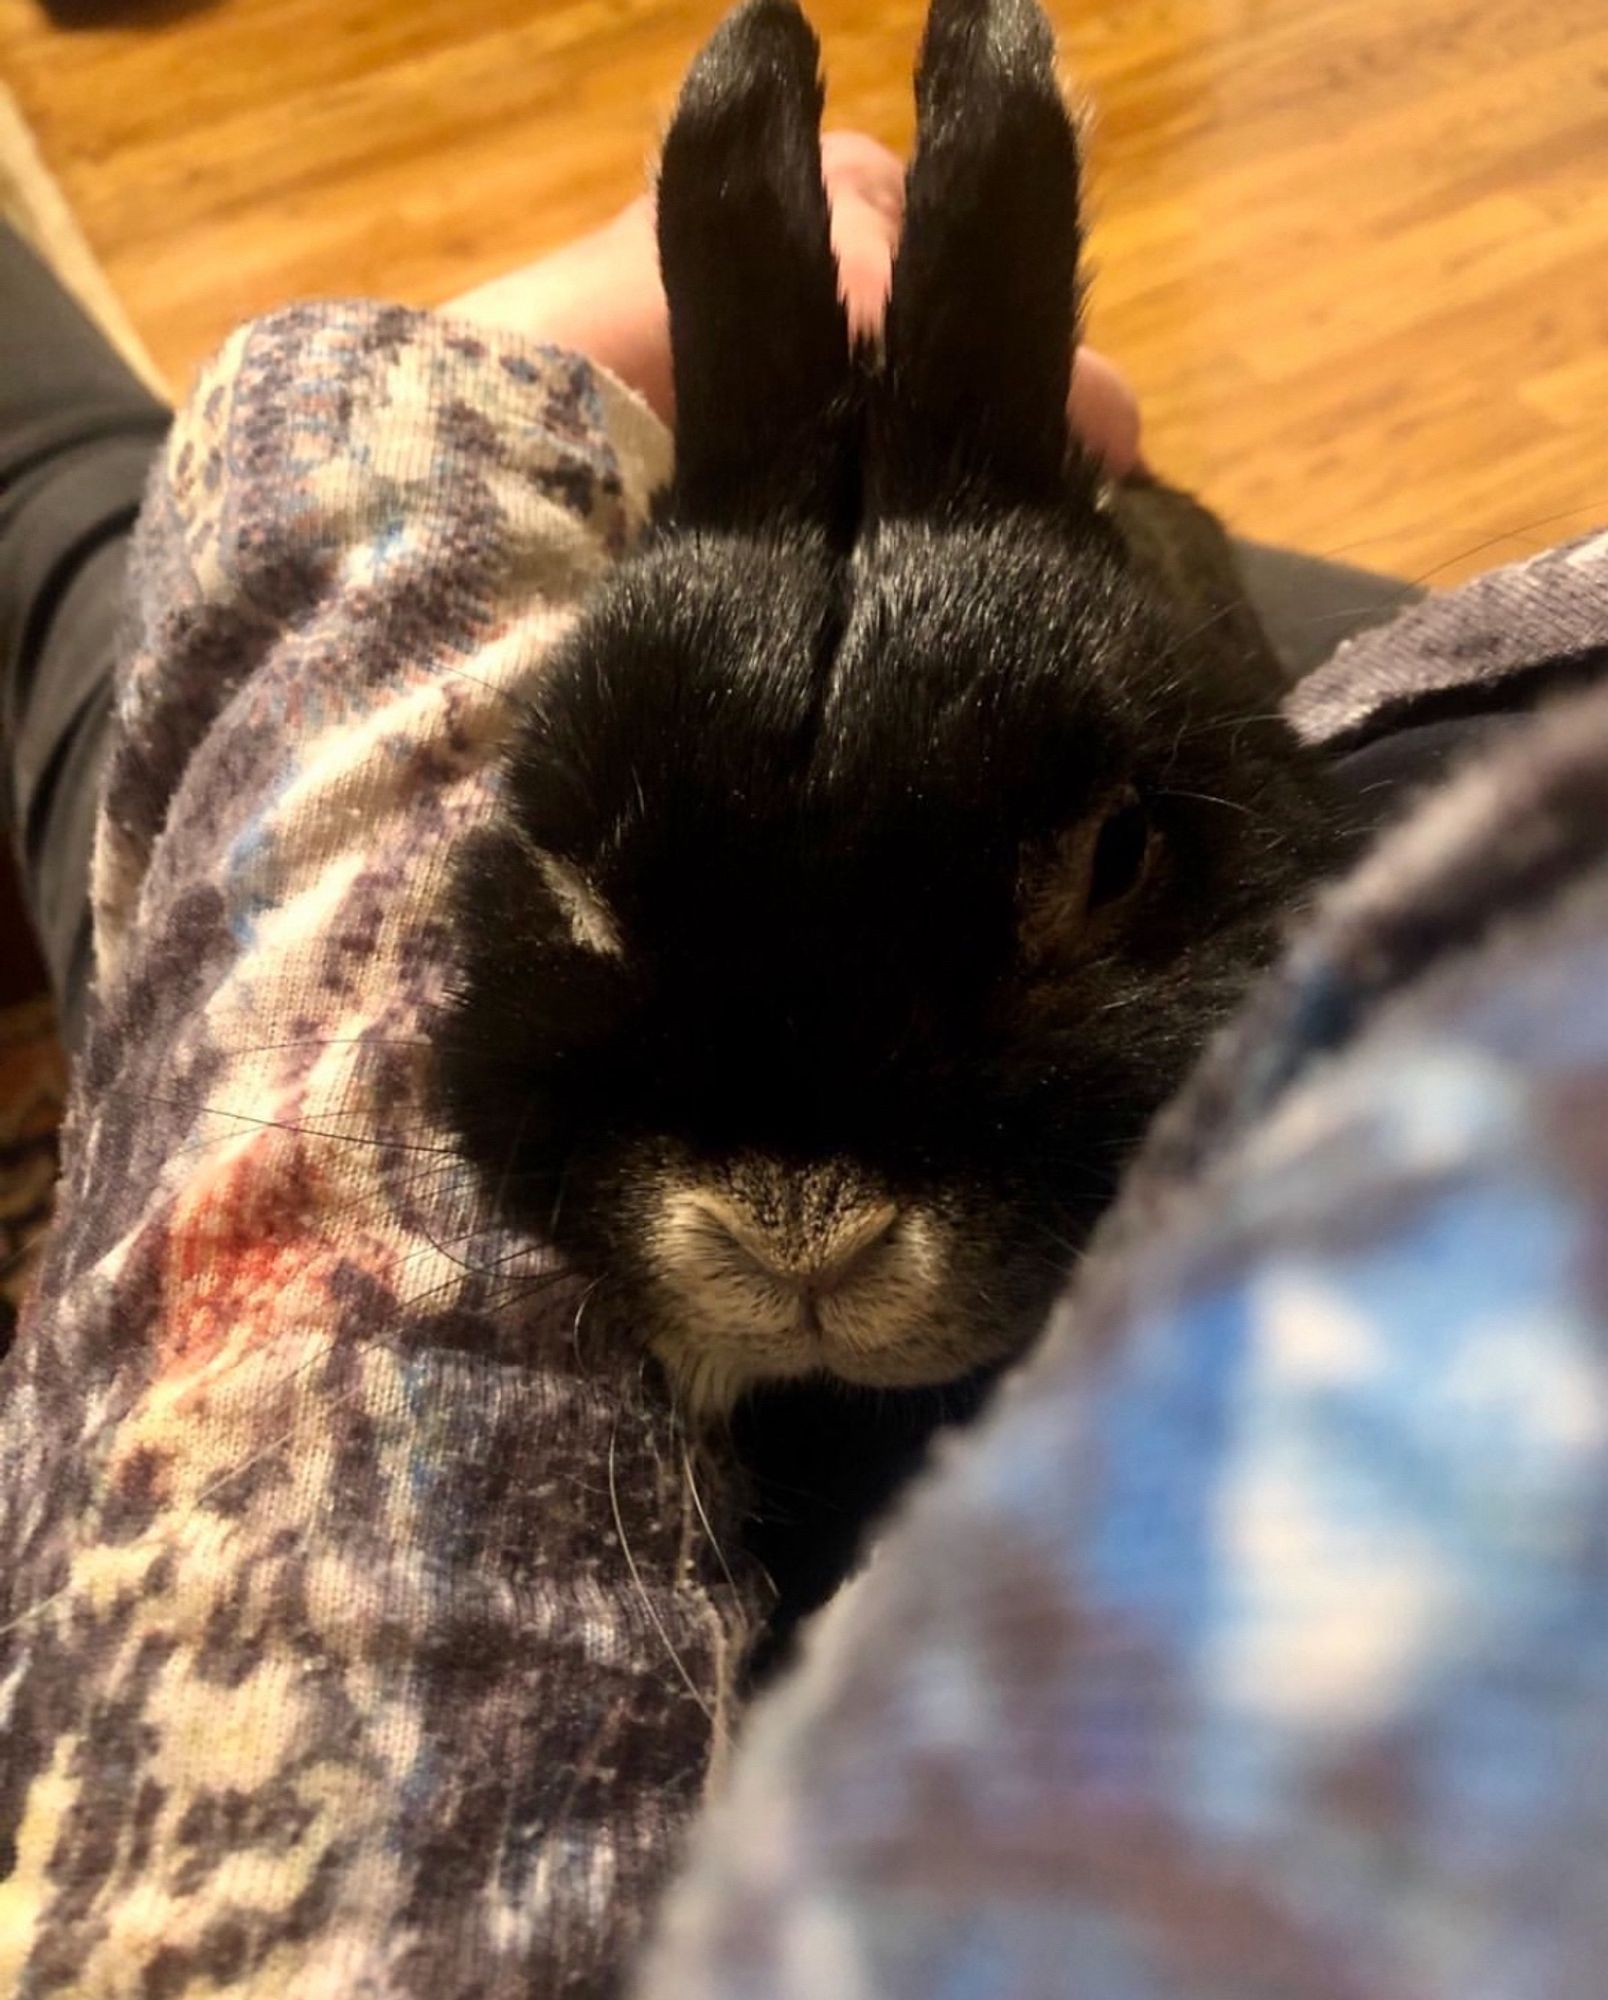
[247, 1238]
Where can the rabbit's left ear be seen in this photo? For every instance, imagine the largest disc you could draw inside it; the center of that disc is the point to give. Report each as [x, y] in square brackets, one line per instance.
[983, 314]
[758, 336]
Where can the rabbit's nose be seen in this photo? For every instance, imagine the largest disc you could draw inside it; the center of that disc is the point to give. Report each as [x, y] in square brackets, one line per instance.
[812, 1262]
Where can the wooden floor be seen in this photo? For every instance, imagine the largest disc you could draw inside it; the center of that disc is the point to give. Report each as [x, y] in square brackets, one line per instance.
[1353, 252]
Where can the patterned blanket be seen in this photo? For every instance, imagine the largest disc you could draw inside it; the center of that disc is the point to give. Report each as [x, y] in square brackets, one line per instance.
[364, 1629]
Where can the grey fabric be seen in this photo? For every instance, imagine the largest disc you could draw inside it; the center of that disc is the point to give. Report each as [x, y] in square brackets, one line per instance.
[1308, 605]
[1500, 642]
[78, 434]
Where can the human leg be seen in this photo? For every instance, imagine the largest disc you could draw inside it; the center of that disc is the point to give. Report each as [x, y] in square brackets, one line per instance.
[78, 432]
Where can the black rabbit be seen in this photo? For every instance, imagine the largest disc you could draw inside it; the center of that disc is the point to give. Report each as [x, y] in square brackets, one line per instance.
[900, 818]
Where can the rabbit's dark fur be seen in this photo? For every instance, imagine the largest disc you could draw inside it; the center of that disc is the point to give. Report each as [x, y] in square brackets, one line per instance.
[899, 819]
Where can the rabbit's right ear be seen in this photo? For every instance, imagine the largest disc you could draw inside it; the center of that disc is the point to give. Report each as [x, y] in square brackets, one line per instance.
[758, 336]
[982, 318]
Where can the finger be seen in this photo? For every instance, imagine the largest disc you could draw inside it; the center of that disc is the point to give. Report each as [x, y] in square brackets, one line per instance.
[1104, 412]
[865, 191]
[855, 163]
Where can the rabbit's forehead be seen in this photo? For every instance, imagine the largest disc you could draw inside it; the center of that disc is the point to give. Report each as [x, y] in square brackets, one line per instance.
[741, 716]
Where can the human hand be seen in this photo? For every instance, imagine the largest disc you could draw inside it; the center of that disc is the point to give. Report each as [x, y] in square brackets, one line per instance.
[602, 296]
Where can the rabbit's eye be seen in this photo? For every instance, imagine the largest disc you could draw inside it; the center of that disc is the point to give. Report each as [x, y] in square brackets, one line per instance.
[1121, 851]
[1072, 891]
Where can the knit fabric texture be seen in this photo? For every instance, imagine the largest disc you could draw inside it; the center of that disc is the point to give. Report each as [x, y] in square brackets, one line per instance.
[361, 1627]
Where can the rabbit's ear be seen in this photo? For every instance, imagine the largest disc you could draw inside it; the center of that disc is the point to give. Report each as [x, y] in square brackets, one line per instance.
[758, 336]
[984, 307]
